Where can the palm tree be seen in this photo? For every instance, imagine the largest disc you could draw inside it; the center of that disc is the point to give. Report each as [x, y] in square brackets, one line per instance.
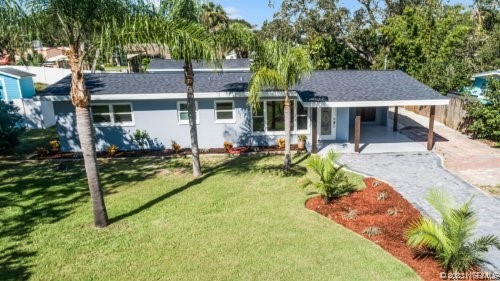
[332, 182]
[279, 67]
[87, 25]
[451, 242]
[214, 18]
[189, 10]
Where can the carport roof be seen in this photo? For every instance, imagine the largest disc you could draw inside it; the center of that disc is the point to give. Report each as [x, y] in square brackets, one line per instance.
[350, 88]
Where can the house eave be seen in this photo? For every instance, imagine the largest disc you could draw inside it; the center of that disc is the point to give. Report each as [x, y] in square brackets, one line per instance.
[377, 103]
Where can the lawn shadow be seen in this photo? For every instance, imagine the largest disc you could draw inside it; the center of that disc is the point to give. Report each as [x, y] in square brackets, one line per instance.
[236, 165]
[34, 194]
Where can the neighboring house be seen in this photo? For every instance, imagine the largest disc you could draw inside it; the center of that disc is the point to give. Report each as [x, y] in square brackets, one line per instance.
[170, 65]
[327, 107]
[480, 81]
[17, 86]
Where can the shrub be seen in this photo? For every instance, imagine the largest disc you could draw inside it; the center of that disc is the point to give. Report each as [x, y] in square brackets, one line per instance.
[141, 138]
[485, 118]
[176, 147]
[350, 215]
[382, 195]
[10, 125]
[393, 212]
[332, 182]
[55, 145]
[281, 143]
[42, 151]
[227, 146]
[372, 231]
[112, 150]
[451, 242]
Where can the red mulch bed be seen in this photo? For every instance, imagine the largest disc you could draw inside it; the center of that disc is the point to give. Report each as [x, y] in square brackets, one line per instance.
[372, 212]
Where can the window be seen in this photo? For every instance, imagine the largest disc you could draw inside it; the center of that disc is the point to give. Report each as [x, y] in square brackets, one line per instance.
[183, 115]
[224, 112]
[258, 118]
[111, 114]
[271, 117]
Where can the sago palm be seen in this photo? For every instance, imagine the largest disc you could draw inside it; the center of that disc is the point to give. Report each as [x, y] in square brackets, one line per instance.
[332, 182]
[452, 241]
[280, 67]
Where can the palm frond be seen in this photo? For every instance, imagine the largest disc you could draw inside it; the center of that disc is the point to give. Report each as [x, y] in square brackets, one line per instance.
[263, 79]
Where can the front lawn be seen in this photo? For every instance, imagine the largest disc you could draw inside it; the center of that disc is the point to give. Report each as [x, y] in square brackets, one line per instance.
[242, 221]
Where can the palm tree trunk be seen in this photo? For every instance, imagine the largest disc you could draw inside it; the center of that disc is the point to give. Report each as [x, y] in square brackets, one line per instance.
[191, 104]
[81, 100]
[288, 159]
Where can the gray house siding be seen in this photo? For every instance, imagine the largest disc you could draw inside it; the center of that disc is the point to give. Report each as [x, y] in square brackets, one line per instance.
[160, 119]
[380, 116]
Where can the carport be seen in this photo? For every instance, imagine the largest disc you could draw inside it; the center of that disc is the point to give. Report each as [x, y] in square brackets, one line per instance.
[350, 109]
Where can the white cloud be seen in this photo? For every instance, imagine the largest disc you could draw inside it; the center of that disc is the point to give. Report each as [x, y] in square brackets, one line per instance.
[233, 12]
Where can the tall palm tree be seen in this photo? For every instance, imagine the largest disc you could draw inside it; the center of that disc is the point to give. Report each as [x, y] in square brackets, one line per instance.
[280, 67]
[87, 25]
[189, 10]
[451, 242]
[214, 18]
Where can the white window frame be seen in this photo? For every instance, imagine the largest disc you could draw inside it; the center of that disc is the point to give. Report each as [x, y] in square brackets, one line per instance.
[112, 115]
[224, 121]
[295, 131]
[186, 122]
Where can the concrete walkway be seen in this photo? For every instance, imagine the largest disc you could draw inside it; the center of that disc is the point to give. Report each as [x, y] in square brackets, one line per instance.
[471, 160]
[413, 173]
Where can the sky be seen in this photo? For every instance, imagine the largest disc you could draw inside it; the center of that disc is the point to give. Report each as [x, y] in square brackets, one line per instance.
[256, 11]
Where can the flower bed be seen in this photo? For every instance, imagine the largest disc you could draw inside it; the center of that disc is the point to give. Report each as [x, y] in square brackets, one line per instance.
[372, 211]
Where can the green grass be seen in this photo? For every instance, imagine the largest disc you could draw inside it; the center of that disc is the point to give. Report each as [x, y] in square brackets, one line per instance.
[243, 220]
[31, 139]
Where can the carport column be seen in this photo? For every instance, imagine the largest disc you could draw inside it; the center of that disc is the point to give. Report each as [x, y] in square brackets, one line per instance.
[357, 130]
[430, 136]
[395, 124]
[314, 130]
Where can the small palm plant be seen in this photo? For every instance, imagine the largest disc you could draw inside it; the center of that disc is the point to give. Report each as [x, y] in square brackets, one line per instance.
[451, 242]
[333, 182]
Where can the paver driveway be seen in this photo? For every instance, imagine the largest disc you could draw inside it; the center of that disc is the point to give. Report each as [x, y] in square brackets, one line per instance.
[414, 173]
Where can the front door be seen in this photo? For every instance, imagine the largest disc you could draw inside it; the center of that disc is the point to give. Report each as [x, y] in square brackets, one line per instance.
[327, 125]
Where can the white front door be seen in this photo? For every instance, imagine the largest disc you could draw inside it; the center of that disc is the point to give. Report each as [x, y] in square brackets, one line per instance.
[327, 123]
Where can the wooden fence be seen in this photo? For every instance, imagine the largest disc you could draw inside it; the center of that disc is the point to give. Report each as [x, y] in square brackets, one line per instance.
[452, 115]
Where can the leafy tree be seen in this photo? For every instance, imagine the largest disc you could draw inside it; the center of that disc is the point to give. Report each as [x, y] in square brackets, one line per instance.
[329, 54]
[451, 241]
[239, 38]
[214, 18]
[88, 25]
[279, 67]
[332, 182]
[485, 117]
[11, 125]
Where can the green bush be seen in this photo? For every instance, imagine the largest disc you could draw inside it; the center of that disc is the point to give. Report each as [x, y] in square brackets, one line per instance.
[10, 125]
[141, 138]
[485, 118]
[333, 182]
[450, 242]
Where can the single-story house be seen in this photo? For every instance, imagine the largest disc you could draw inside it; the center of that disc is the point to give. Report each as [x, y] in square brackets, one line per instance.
[330, 106]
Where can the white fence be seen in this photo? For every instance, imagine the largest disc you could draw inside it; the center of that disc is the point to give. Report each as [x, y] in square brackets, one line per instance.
[46, 75]
[37, 114]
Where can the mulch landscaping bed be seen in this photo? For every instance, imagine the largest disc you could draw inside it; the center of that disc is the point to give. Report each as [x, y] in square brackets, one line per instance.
[372, 212]
[166, 152]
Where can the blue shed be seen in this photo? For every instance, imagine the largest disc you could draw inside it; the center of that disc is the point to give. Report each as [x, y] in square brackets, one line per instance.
[16, 84]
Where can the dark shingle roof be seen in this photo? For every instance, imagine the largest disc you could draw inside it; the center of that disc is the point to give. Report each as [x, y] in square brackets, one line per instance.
[9, 71]
[154, 83]
[363, 85]
[322, 86]
[158, 65]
